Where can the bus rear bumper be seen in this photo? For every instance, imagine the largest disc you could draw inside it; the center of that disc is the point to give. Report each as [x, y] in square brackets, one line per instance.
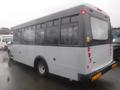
[97, 74]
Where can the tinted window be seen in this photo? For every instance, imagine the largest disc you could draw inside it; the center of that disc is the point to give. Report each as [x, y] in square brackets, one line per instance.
[56, 22]
[50, 23]
[40, 34]
[65, 20]
[75, 18]
[52, 35]
[43, 25]
[28, 35]
[38, 26]
[17, 36]
[75, 33]
[69, 34]
[99, 29]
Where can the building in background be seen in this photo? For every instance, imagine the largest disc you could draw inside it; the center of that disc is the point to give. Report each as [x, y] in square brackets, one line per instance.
[5, 31]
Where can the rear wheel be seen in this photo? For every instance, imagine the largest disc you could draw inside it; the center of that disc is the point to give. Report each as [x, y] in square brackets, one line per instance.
[42, 68]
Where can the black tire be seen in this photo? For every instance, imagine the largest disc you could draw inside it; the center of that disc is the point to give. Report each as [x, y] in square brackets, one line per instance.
[42, 68]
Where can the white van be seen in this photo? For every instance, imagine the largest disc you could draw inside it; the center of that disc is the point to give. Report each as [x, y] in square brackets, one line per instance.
[5, 40]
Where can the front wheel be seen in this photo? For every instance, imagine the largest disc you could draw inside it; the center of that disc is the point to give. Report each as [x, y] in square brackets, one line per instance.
[42, 68]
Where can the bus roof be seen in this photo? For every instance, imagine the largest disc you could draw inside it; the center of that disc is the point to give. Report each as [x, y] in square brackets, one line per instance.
[60, 14]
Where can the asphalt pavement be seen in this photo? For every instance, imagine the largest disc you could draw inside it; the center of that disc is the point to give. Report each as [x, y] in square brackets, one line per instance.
[17, 76]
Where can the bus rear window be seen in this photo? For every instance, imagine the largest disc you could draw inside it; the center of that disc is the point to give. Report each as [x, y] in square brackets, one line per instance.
[99, 29]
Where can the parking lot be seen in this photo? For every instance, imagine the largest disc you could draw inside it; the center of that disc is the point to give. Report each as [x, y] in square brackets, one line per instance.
[16, 76]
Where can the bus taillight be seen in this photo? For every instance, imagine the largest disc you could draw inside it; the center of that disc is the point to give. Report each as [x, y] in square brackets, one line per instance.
[89, 55]
[82, 11]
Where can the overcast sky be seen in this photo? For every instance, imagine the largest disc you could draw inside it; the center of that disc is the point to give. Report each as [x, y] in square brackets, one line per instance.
[14, 12]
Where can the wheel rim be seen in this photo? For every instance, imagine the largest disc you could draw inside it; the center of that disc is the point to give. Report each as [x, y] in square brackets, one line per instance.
[41, 68]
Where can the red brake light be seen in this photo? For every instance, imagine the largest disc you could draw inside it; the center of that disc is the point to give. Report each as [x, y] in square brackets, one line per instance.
[82, 11]
[89, 55]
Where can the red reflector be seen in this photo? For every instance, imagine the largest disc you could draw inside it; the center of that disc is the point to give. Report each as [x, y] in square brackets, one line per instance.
[82, 11]
[89, 55]
[88, 49]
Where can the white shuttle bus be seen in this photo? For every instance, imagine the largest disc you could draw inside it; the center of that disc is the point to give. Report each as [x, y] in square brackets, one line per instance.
[74, 43]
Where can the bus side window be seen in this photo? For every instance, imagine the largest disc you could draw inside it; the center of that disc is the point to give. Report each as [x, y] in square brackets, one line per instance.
[75, 28]
[40, 33]
[75, 34]
[56, 22]
[17, 36]
[70, 30]
[50, 23]
[52, 34]
[66, 34]
[65, 20]
[69, 33]
[28, 35]
[75, 18]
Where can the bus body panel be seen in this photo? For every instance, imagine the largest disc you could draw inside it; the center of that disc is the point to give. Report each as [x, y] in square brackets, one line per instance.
[62, 61]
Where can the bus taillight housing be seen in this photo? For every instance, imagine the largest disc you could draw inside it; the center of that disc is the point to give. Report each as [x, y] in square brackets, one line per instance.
[89, 55]
[83, 11]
